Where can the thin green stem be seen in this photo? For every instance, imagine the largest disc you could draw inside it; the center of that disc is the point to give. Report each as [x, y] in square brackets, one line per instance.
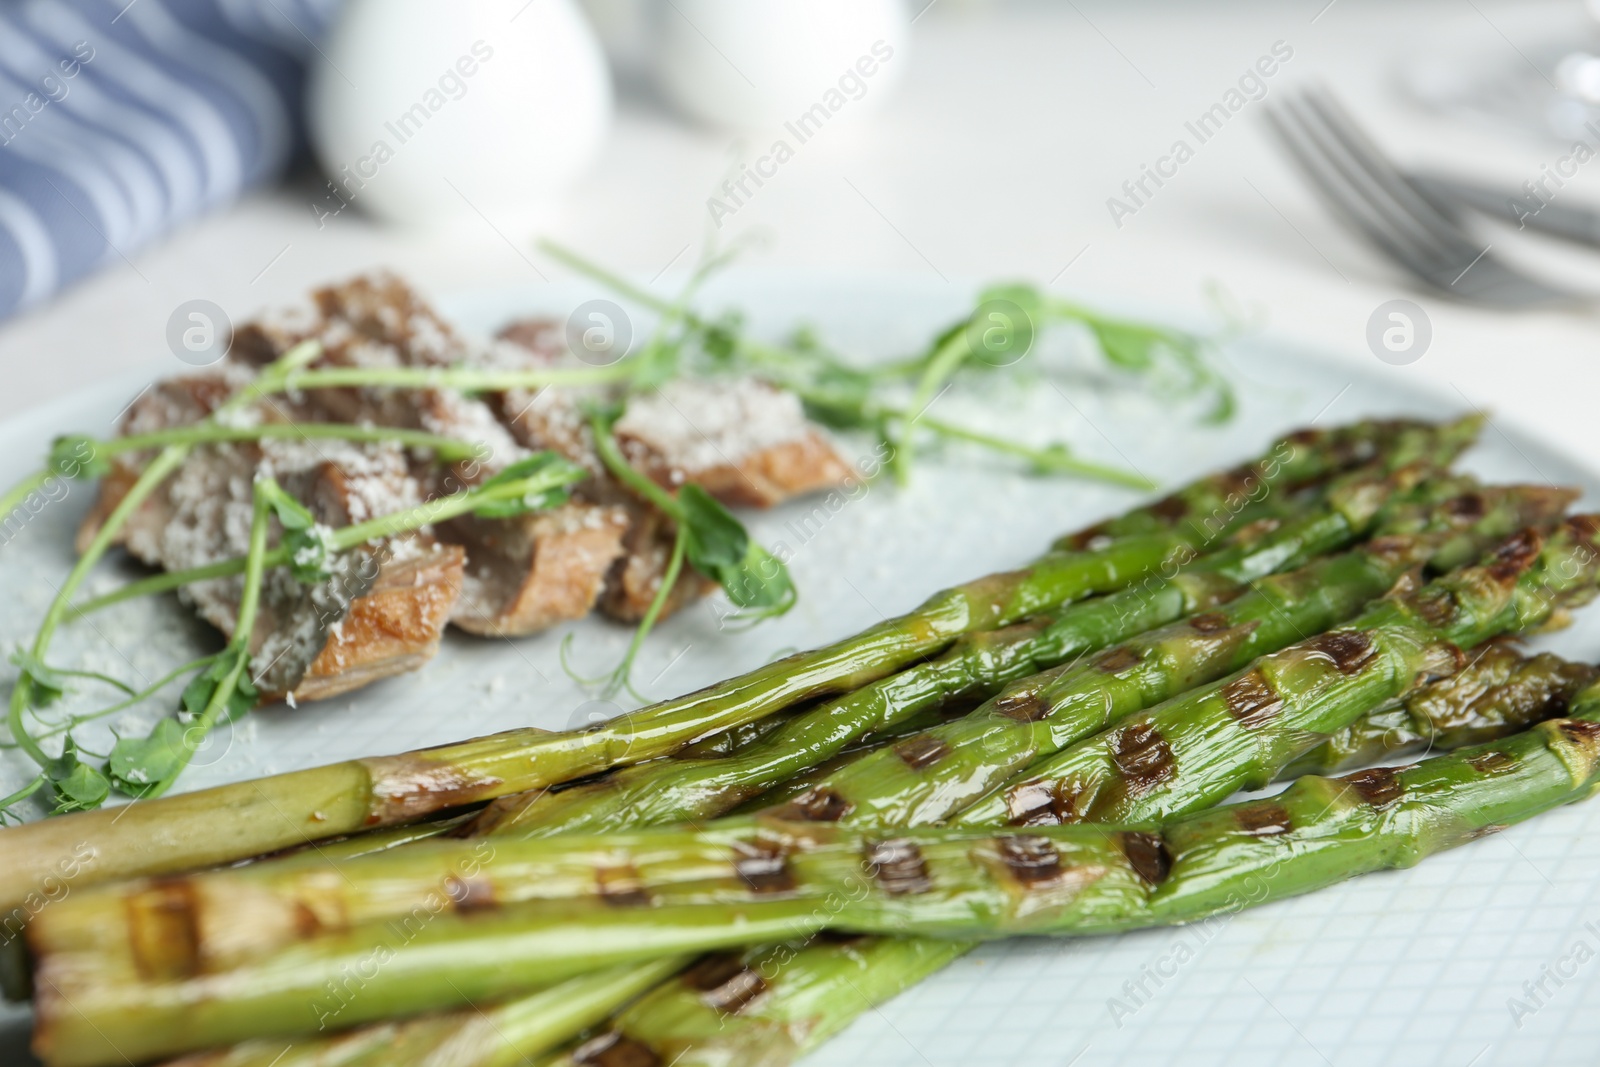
[149, 691]
[1054, 460]
[618, 284]
[94, 676]
[622, 675]
[945, 360]
[21, 694]
[238, 645]
[22, 490]
[447, 448]
[767, 355]
[19, 796]
[465, 379]
[932, 369]
[605, 446]
[342, 539]
[162, 583]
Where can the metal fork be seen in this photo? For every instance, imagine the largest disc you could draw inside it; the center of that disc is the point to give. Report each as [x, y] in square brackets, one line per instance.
[1414, 228]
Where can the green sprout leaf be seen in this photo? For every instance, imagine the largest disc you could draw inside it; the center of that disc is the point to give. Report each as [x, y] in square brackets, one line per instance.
[762, 586]
[311, 553]
[202, 688]
[1175, 361]
[658, 363]
[1054, 459]
[549, 473]
[1126, 345]
[720, 340]
[718, 546]
[75, 785]
[78, 456]
[47, 683]
[142, 766]
[292, 515]
[308, 542]
[716, 540]
[139, 764]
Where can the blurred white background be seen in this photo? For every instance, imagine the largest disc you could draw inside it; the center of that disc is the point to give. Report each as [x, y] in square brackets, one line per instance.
[994, 154]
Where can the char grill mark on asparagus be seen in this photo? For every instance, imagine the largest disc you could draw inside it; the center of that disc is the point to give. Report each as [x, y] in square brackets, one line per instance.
[819, 804]
[898, 867]
[1266, 820]
[1114, 662]
[725, 982]
[1142, 756]
[1030, 860]
[1251, 699]
[921, 751]
[1500, 693]
[763, 866]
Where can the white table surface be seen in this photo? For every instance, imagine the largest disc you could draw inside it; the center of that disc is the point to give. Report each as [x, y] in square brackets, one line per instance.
[994, 157]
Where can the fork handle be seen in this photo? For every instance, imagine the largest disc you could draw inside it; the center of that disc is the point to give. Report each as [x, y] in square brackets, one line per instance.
[1569, 222]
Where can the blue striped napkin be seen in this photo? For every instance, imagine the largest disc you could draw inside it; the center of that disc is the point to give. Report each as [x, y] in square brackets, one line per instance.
[120, 120]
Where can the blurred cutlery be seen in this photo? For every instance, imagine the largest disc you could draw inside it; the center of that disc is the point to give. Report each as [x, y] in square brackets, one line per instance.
[1408, 224]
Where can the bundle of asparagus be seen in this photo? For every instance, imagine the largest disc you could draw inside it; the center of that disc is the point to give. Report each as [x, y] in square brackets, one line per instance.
[1186, 674]
[765, 1006]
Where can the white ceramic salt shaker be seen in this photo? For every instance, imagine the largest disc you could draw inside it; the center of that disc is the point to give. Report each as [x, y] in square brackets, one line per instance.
[425, 112]
[751, 64]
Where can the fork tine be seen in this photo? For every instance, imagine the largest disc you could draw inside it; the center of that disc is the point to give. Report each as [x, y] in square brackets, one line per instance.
[1355, 179]
[1425, 240]
[1363, 151]
[1346, 201]
[1490, 279]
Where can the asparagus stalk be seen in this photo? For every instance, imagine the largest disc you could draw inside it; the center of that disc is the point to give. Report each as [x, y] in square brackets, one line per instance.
[234, 822]
[1446, 520]
[1241, 732]
[979, 664]
[971, 882]
[1501, 693]
[770, 1005]
[762, 1007]
[486, 1037]
[679, 1005]
[248, 913]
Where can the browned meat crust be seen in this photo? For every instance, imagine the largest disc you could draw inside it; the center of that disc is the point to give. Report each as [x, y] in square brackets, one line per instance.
[382, 614]
[393, 628]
